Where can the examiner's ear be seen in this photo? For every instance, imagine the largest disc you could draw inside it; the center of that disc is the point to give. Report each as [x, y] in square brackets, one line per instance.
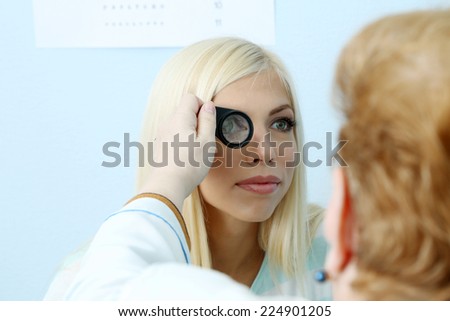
[339, 225]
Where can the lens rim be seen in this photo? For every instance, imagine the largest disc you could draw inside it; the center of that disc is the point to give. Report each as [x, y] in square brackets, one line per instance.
[221, 114]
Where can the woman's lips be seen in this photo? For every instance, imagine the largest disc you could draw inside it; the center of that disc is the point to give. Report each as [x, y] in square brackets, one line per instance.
[260, 184]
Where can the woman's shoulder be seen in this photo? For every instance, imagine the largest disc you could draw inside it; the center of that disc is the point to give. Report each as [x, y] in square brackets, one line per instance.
[275, 283]
[318, 245]
[315, 216]
[317, 254]
[269, 282]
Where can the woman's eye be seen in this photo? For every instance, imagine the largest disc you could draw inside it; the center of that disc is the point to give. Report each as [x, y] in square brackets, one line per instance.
[284, 124]
[234, 124]
[227, 126]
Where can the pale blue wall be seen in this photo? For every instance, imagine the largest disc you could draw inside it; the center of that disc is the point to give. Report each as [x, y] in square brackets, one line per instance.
[59, 106]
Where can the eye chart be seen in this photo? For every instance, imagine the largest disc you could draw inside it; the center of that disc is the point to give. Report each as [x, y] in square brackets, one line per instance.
[149, 23]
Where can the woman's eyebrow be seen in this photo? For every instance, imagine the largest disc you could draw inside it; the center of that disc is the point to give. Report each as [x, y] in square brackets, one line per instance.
[278, 109]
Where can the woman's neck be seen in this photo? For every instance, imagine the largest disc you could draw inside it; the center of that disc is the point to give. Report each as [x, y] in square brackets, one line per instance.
[234, 246]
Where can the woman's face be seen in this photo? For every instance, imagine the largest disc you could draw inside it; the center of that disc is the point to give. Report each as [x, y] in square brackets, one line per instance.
[248, 183]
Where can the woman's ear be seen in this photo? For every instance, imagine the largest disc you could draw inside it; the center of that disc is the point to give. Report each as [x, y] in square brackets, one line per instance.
[339, 225]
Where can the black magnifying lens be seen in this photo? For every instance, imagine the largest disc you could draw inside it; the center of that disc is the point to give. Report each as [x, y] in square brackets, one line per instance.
[234, 128]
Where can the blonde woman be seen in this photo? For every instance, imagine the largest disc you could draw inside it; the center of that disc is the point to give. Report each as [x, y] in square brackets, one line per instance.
[244, 214]
[388, 222]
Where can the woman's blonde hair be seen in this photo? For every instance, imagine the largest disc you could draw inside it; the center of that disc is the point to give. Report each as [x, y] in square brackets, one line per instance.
[393, 85]
[204, 69]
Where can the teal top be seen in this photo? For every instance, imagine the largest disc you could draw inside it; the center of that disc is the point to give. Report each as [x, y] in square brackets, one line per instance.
[266, 285]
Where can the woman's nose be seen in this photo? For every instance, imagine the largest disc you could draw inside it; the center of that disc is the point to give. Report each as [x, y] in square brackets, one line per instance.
[261, 148]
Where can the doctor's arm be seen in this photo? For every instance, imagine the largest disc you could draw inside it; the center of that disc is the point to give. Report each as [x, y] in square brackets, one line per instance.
[141, 252]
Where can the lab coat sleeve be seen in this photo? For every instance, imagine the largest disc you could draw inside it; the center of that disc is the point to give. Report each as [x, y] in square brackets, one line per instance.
[141, 252]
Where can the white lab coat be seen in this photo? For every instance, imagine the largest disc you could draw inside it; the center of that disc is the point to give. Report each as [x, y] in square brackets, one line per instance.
[143, 254]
